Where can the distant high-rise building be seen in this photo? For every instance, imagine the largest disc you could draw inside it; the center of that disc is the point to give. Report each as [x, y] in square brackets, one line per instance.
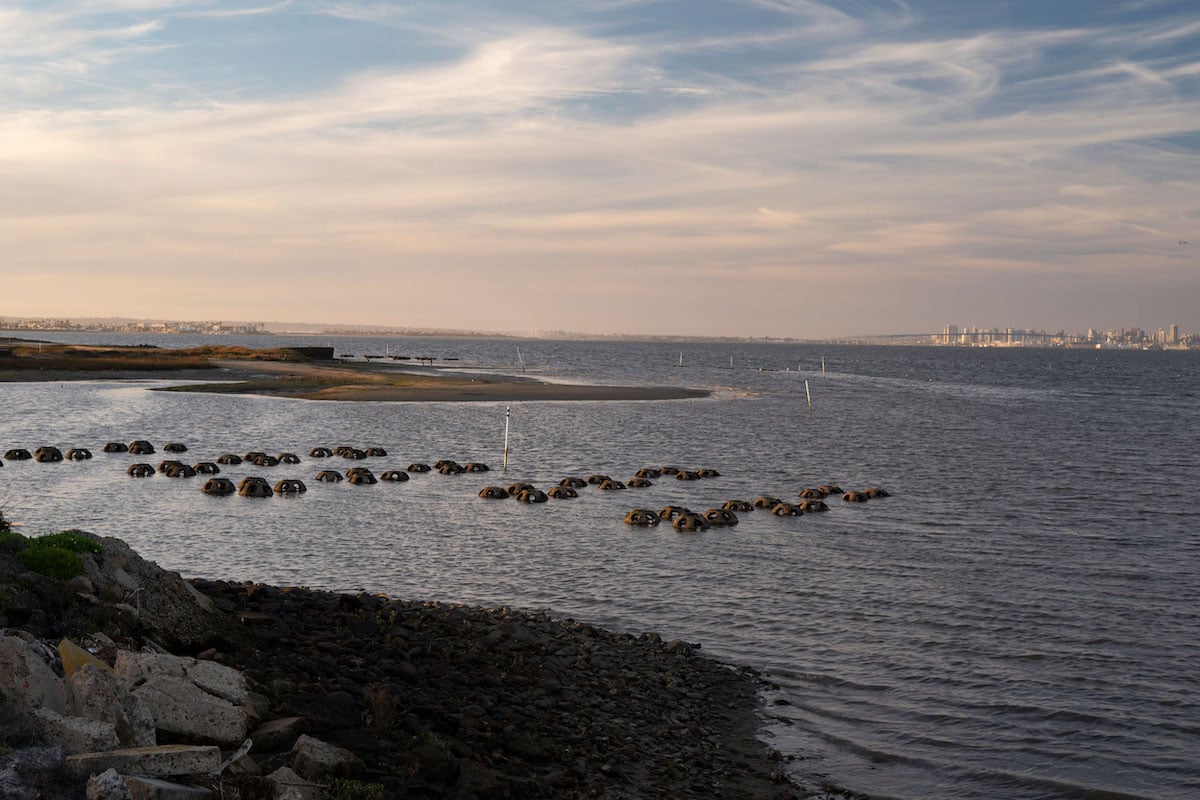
[1173, 334]
[950, 334]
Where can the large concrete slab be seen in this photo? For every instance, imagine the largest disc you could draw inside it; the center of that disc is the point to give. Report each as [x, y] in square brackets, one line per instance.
[156, 762]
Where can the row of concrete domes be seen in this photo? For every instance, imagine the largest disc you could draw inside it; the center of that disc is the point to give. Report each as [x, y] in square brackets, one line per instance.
[811, 499]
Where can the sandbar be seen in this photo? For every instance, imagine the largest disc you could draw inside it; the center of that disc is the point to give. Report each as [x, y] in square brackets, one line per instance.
[356, 383]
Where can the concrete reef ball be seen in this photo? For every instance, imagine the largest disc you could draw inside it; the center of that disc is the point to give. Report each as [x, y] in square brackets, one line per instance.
[174, 447]
[875, 491]
[47, 454]
[639, 483]
[360, 476]
[573, 483]
[418, 467]
[687, 475]
[611, 485]
[140, 470]
[206, 468]
[352, 453]
[669, 513]
[288, 458]
[811, 506]
[229, 458]
[78, 454]
[809, 493]
[290, 486]
[221, 487]
[766, 501]
[320, 452]
[493, 492]
[596, 480]
[720, 518]
[830, 488]
[375, 452]
[116, 447]
[648, 472]
[737, 505]
[176, 469]
[855, 497]
[451, 468]
[264, 460]
[641, 517]
[562, 492]
[329, 476]
[668, 471]
[515, 489]
[786, 510]
[708, 473]
[140, 447]
[474, 466]
[250, 455]
[533, 496]
[394, 476]
[690, 522]
[18, 454]
[252, 486]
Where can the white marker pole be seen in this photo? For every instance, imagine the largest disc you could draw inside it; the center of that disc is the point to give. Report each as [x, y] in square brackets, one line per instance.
[680, 357]
[506, 438]
[808, 394]
[822, 366]
[522, 360]
[731, 362]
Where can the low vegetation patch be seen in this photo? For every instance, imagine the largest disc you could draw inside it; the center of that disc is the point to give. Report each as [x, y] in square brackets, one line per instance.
[55, 556]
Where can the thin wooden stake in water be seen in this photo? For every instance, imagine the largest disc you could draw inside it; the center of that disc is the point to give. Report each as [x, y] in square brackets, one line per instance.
[822, 366]
[506, 438]
[731, 362]
[808, 394]
[680, 358]
[520, 359]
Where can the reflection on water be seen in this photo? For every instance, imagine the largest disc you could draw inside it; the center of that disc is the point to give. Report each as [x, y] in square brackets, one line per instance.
[1017, 621]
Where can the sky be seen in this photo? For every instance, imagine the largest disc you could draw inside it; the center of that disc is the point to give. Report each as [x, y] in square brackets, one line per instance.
[791, 168]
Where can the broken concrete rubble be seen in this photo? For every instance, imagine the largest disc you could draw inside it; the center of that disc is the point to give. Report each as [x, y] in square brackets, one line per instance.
[74, 734]
[162, 761]
[198, 699]
[290, 786]
[26, 676]
[96, 695]
[143, 788]
[107, 786]
[317, 760]
[180, 707]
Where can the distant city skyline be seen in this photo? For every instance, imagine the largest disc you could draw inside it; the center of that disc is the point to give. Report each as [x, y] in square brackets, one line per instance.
[809, 169]
[1127, 336]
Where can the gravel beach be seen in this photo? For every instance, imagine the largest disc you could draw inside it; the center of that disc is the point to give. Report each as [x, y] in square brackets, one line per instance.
[435, 700]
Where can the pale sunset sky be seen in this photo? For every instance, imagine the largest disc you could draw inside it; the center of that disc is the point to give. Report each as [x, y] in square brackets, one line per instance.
[702, 167]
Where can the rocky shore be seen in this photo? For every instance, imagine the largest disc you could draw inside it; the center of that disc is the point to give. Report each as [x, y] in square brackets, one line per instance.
[396, 698]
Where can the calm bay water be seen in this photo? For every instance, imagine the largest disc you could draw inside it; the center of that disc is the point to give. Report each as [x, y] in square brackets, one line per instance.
[1020, 620]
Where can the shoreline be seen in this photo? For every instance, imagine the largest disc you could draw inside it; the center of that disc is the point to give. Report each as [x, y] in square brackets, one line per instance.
[431, 699]
[364, 383]
[340, 382]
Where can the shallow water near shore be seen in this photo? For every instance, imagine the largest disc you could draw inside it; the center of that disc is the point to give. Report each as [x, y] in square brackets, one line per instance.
[1019, 620]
